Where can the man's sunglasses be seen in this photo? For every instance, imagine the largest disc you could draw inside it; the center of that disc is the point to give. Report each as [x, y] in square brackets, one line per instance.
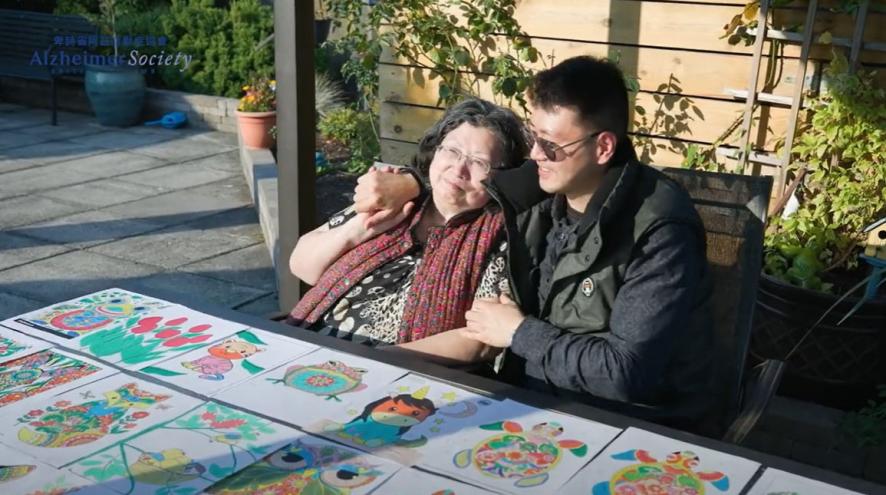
[556, 152]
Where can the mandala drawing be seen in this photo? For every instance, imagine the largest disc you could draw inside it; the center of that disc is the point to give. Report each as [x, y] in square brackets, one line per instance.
[675, 475]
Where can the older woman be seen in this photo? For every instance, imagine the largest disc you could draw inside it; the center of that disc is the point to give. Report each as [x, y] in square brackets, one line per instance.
[409, 281]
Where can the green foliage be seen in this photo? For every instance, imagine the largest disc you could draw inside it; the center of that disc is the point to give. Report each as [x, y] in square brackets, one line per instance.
[867, 426]
[356, 130]
[845, 185]
[223, 42]
[483, 39]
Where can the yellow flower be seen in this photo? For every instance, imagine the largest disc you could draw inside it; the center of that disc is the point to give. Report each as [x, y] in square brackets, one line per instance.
[245, 88]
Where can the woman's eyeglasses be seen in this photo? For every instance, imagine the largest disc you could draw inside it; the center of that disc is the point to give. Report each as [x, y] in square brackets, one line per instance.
[556, 152]
[477, 165]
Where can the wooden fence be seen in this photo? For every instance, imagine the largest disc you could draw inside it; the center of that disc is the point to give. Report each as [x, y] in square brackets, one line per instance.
[673, 49]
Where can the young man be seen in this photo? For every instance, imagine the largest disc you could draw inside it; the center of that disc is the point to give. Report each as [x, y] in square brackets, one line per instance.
[607, 260]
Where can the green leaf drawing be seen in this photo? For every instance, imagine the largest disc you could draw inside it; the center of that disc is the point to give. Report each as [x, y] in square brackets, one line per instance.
[218, 472]
[160, 371]
[89, 462]
[250, 337]
[251, 368]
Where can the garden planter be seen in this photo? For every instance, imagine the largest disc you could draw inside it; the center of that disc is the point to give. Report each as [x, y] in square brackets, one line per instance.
[116, 93]
[838, 366]
[255, 128]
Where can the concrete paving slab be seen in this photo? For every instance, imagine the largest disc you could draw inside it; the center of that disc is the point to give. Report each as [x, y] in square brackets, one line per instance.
[123, 139]
[16, 250]
[26, 210]
[45, 153]
[114, 163]
[59, 132]
[102, 193]
[27, 118]
[181, 175]
[190, 146]
[248, 266]
[11, 107]
[232, 190]
[172, 249]
[34, 179]
[70, 275]
[85, 229]
[239, 222]
[188, 286]
[11, 139]
[264, 306]
[177, 207]
[12, 305]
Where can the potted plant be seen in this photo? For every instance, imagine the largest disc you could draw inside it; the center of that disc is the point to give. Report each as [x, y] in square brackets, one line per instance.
[116, 90]
[812, 307]
[256, 113]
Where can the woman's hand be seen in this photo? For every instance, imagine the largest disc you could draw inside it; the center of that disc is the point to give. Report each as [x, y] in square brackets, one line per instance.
[381, 193]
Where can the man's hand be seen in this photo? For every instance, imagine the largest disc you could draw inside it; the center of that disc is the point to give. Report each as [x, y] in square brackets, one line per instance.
[384, 224]
[382, 193]
[493, 322]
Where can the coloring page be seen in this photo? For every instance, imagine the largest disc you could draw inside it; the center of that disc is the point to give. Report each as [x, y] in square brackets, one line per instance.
[22, 475]
[312, 387]
[417, 482]
[776, 482]
[14, 345]
[86, 419]
[69, 320]
[232, 360]
[51, 372]
[185, 455]
[642, 462]
[310, 466]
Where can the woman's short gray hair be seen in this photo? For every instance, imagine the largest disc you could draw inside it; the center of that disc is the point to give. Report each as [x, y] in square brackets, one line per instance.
[501, 121]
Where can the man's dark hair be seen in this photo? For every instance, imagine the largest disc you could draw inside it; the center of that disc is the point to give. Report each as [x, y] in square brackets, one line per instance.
[594, 87]
[501, 121]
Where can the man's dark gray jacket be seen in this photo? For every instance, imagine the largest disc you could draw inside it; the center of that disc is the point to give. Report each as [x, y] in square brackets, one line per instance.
[625, 322]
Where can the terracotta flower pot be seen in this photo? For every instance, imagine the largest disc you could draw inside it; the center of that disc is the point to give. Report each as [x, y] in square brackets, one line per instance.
[255, 128]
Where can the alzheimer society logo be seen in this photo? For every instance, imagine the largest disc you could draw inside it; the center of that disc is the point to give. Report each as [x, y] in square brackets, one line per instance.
[71, 53]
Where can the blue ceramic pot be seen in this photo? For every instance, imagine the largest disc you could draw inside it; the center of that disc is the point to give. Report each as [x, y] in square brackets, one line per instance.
[116, 92]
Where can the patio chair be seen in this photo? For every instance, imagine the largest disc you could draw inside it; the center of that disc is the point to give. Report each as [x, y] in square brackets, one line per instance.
[733, 209]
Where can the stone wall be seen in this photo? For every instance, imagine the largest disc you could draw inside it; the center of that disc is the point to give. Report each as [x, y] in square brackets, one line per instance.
[204, 111]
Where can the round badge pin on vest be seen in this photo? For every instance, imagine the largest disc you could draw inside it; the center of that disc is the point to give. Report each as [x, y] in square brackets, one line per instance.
[587, 286]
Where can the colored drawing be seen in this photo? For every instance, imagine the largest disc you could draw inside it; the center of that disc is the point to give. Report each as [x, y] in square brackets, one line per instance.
[20, 474]
[77, 317]
[417, 482]
[223, 364]
[88, 418]
[385, 421]
[675, 474]
[186, 455]
[220, 358]
[14, 345]
[10, 473]
[142, 340]
[642, 462]
[317, 385]
[328, 380]
[64, 424]
[400, 421]
[777, 482]
[48, 370]
[309, 466]
[523, 456]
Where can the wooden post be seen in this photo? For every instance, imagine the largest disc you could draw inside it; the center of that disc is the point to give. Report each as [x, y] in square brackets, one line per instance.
[296, 179]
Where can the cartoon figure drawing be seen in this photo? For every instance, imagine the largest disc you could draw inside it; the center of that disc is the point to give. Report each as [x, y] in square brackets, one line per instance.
[329, 379]
[385, 421]
[525, 456]
[167, 467]
[301, 469]
[676, 475]
[93, 312]
[221, 358]
[10, 473]
[65, 425]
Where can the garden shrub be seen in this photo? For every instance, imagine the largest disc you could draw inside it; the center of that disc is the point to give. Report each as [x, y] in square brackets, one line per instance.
[355, 130]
